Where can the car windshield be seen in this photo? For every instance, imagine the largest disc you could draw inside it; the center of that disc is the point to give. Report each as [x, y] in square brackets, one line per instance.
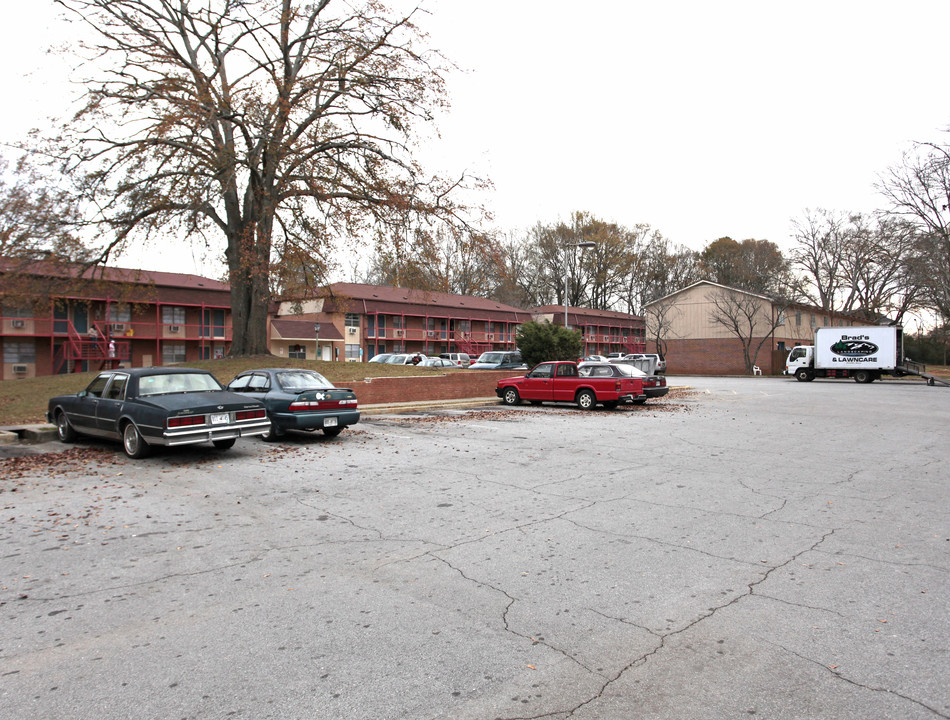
[491, 358]
[177, 383]
[297, 380]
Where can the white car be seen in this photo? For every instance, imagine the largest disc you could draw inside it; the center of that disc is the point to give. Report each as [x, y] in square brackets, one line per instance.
[406, 359]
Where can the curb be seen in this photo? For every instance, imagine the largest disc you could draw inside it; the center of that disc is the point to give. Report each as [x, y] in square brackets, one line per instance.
[31, 434]
[393, 408]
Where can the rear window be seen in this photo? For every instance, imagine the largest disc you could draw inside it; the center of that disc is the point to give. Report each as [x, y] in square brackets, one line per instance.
[302, 380]
[177, 382]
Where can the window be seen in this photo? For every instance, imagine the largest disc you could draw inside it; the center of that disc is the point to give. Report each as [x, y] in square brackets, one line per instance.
[173, 353]
[120, 312]
[19, 352]
[463, 326]
[239, 383]
[352, 351]
[173, 315]
[258, 383]
[352, 320]
[212, 322]
[297, 352]
[96, 387]
[798, 318]
[116, 389]
[542, 371]
[17, 311]
[567, 370]
[781, 317]
[397, 321]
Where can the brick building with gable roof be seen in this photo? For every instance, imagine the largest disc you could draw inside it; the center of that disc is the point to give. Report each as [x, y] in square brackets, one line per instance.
[56, 319]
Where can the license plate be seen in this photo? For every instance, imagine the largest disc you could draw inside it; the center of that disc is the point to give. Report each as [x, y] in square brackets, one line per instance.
[329, 422]
[220, 418]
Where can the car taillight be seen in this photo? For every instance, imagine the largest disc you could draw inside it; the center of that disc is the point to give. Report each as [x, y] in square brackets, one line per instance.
[250, 414]
[186, 420]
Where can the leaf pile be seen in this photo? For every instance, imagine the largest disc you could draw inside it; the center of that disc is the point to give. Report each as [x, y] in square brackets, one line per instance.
[55, 464]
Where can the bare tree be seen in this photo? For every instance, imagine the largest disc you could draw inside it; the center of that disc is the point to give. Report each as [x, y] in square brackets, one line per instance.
[660, 318]
[278, 125]
[918, 189]
[879, 266]
[754, 265]
[821, 237]
[750, 318]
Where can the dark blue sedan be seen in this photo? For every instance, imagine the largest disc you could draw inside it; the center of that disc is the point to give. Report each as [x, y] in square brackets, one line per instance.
[298, 399]
[157, 406]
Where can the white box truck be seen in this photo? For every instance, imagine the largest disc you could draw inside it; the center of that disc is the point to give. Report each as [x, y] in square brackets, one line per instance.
[861, 353]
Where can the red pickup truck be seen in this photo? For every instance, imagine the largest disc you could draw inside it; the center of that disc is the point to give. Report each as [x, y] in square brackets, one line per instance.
[560, 382]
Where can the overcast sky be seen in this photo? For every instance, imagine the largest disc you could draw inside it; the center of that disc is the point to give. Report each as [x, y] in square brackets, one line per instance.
[700, 118]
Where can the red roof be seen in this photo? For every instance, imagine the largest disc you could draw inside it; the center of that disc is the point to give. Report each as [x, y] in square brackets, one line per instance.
[118, 275]
[360, 298]
[303, 330]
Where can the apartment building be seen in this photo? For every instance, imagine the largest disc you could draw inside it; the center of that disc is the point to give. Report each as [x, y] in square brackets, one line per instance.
[60, 320]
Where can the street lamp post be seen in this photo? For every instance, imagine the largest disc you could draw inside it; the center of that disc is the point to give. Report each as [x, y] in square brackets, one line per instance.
[582, 245]
[316, 347]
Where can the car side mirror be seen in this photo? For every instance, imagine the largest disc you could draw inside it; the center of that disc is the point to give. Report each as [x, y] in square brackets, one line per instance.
[82, 393]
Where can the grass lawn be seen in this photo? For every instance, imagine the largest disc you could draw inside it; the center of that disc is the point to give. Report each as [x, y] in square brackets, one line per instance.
[24, 401]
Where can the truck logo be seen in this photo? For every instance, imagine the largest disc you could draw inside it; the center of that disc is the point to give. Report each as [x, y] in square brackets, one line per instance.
[854, 348]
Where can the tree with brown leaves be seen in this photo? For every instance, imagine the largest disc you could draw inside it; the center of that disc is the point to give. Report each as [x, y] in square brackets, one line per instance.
[278, 125]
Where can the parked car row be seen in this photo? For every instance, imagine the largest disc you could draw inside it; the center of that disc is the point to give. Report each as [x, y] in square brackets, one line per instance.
[170, 406]
[493, 360]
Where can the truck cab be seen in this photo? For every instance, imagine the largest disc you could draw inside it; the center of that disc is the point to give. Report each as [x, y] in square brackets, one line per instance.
[801, 362]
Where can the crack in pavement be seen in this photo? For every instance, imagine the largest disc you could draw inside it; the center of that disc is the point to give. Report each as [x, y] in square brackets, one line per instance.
[504, 616]
[643, 659]
[873, 688]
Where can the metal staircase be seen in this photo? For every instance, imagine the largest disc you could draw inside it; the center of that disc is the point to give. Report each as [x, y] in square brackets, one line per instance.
[96, 349]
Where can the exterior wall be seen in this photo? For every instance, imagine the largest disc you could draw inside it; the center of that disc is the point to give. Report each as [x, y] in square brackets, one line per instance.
[697, 345]
[80, 327]
[713, 356]
[691, 317]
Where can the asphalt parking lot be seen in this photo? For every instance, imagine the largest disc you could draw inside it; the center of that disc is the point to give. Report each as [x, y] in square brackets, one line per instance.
[755, 547]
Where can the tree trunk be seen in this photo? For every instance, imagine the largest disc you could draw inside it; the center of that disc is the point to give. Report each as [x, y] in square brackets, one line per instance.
[249, 265]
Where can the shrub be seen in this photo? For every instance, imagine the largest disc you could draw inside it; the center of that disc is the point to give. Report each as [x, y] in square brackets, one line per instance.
[539, 342]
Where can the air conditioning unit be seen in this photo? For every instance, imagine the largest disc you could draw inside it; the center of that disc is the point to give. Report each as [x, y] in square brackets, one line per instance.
[430, 333]
[17, 323]
[397, 333]
[116, 327]
[173, 328]
[20, 369]
[490, 337]
[351, 330]
[625, 338]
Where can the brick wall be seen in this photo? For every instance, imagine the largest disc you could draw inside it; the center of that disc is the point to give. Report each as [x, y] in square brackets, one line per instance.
[451, 386]
[722, 356]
